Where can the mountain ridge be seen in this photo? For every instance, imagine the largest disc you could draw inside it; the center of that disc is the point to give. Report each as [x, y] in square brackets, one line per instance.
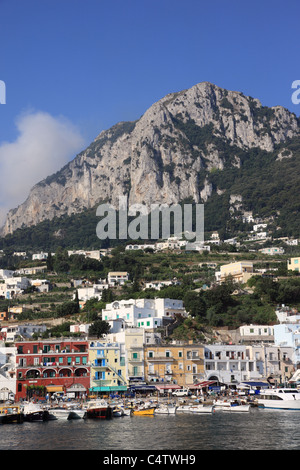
[167, 155]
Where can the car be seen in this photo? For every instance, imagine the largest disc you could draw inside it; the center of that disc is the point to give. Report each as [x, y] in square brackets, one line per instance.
[184, 392]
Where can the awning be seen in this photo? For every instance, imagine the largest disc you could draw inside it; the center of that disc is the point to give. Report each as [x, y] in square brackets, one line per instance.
[168, 387]
[142, 388]
[55, 388]
[203, 384]
[116, 388]
[256, 384]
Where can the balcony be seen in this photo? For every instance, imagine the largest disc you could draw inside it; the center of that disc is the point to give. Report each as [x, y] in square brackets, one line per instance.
[160, 358]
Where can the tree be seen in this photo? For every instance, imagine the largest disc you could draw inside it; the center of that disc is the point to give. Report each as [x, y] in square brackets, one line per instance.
[99, 328]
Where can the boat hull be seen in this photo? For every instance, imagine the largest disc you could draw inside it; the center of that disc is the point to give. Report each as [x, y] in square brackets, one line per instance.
[99, 413]
[293, 405]
[166, 410]
[144, 412]
[201, 409]
[12, 418]
[36, 416]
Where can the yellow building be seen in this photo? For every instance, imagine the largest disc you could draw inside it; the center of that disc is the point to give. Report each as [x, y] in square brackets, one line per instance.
[174, 364]
[293, 264]
[134, 347]
[107, 367]
[240, 271]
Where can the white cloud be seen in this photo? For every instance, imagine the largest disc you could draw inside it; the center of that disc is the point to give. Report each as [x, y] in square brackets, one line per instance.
[44, 145]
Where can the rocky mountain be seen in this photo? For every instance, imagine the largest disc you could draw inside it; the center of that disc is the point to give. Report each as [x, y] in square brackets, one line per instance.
[168, 155]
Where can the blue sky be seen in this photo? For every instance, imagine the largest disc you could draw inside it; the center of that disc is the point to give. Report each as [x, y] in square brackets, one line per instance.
[80, 66]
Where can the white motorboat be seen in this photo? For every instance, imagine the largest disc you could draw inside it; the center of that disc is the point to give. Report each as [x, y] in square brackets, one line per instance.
[183, 409]
[279, 398]
[34, 412]
[165, 409]
[231, 405]
[201, 408]
[60, 413]
[117, 411]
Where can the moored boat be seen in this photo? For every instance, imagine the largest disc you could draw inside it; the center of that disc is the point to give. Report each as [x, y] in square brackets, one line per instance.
[11, 414]
[144, 411]
[183, 408]
[117, 412]
[231, 405]
[279, 398]
[98, 409]
[165, 409]
[201, 408]
[34, 413]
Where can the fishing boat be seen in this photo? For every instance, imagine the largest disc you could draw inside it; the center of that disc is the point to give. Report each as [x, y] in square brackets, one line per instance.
[144, 411]
[231, 405]
[98, 409]
[279, 398]
[11, 414]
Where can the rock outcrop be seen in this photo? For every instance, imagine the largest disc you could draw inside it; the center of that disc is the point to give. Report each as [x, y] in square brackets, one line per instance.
[163, 157]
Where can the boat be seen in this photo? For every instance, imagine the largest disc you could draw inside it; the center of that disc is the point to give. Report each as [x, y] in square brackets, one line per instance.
[34, 413]
[67, 412]
[165, 409]
[98, 409]
[77, 413]
[144, 411]
[117, 412]
[279, 398]
[231, 405]
[183, 409]
[11, 414]
[60, 413]
[201, 408]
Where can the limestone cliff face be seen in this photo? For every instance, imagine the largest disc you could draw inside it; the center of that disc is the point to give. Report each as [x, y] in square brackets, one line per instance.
[161, 158]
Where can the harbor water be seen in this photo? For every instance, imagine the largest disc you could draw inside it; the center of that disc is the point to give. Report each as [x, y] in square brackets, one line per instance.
[256, 430]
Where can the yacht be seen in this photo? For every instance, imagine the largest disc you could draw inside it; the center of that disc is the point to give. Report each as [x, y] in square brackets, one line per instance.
[279, 398]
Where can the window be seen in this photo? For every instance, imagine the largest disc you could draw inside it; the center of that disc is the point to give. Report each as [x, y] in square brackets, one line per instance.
[35, 349]
[77, 360]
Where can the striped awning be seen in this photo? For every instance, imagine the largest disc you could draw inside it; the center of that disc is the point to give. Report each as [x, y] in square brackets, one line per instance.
[203, 384]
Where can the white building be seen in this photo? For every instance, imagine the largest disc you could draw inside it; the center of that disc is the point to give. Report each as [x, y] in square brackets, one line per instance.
[6, 273]
[40, 256]
[230, 363]
[134, 247]
[117, 277]
[41, 285]
[93, 254]
[143, 313]
[256, 333]
[13, 286]
[157, 285]
[90, 292]
[288, 335]
[272, 250]
[12, 332]
[7, 373]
